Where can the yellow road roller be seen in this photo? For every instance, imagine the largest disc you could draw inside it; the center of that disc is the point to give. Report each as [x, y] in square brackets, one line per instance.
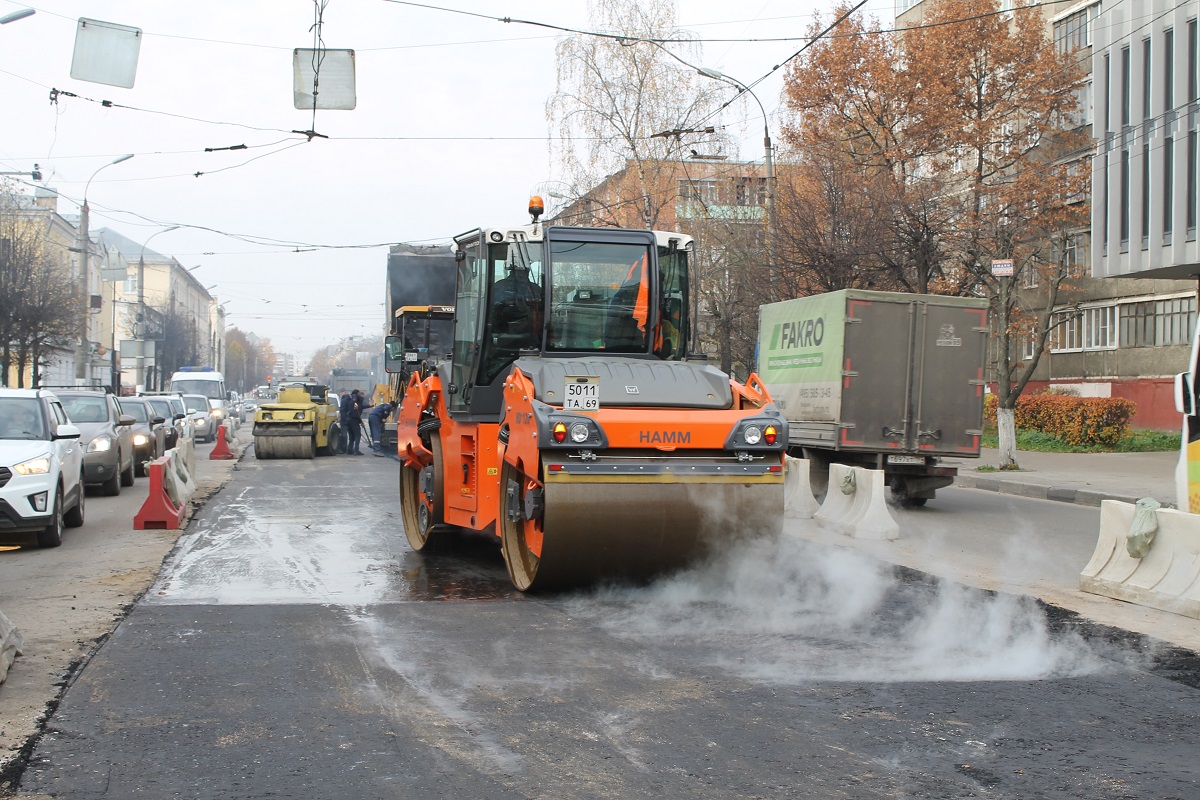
[302, 423]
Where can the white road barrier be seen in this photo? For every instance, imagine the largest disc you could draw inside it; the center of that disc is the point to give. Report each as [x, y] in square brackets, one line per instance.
[10, 645]
[856, 505]
[1167, 577]
[798, 500]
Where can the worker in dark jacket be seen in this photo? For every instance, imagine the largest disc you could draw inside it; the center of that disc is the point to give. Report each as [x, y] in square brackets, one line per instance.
[375, 420]
[344, 421]
[354, 421]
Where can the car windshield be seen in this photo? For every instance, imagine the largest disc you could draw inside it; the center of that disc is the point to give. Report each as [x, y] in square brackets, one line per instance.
[135, 409]
[195, 403]
[208, 388]
[161, 408]
[83, 408]
[176, 406]
[21, 418]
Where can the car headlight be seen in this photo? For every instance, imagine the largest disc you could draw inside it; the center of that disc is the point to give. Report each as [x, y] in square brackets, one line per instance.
[216, 412]
[34, 466]
[140, 439]
[101, 444]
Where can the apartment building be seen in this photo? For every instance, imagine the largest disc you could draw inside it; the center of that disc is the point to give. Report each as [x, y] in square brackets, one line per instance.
[1125, 320]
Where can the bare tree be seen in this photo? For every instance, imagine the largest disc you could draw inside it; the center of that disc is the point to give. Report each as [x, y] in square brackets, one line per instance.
[40, 301]
[614, 94]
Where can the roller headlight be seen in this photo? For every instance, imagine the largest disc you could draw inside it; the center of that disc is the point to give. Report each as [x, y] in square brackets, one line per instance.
[140, 439]
[101, 444]
[34, 466]
[299, 415]
[752, 434]
[579, 433]
[266, 415]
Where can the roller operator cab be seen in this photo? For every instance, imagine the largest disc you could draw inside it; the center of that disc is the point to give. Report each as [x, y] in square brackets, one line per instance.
[568, 421]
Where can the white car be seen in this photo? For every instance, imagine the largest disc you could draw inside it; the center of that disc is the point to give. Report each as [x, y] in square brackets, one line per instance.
[201, 416]
[41, 469]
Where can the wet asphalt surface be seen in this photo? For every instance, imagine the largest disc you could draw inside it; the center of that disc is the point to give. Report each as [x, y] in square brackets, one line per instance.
[294, 647]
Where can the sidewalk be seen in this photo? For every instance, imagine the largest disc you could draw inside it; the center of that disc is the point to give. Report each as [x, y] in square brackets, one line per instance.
[1081, 478]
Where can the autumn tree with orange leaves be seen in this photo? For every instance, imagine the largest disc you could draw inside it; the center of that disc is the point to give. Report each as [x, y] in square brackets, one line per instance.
[964, 125]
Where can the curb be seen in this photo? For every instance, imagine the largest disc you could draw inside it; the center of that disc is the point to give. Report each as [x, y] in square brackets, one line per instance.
[1061, 494]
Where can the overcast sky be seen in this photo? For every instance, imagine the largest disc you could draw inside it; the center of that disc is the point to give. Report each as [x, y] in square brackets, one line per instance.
[449, 133]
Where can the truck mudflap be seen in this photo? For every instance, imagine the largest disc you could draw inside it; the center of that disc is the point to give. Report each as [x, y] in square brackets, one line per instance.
[632, 518]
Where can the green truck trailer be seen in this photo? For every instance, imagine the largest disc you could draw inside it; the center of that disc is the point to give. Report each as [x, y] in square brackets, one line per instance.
[882, 380]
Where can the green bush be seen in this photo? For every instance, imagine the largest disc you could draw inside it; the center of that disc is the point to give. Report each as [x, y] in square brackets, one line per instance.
[1076, 421]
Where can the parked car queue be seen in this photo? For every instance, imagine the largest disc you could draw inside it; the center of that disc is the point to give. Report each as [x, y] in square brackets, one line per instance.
[55, 443]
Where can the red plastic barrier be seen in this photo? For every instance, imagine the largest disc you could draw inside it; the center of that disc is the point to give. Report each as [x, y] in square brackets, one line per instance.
[221, 449]
[158, 512]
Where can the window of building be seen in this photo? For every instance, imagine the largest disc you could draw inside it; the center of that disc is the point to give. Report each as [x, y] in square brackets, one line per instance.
[1169, 69]
[1075, 255]
[1174, 320]
[1104, 202]
[1123, 199]
[1108, 103]
[1154, 323]
[1145, 194]
[1147, 91]
[750, 191]
[1075, 30]
[1125, 86]
[701, 191]
[1066, 331]
[1168, 202]
[1191, 185]
[1100, 328]
[1192, 59]
[1084, 103]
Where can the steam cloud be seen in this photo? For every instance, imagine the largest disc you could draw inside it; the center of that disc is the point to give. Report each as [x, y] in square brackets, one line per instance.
[786, 611]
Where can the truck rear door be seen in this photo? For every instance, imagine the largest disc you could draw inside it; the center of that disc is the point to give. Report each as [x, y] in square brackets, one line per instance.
[948, 378]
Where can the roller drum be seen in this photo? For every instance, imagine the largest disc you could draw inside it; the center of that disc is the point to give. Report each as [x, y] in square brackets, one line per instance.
[626, 526]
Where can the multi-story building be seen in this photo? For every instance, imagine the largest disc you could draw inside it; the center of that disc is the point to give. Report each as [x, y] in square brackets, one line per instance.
[173, 321]
[1146, 63]
[1125, 324]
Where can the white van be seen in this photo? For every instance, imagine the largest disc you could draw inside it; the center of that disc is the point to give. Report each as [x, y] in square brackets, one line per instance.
[208, 382]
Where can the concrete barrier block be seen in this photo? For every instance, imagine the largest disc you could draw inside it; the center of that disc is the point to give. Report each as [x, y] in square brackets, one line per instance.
[869, 516]
[837, 503]
[1166, 578]
[10, 645]
[863, 512]
[798, 500]
[187, 486]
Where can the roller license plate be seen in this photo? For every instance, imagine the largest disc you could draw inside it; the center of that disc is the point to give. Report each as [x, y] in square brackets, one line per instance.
[581, 394]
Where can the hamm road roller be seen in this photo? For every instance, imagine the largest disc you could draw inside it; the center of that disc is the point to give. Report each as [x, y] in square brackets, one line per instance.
[569, 422]
[301, 423]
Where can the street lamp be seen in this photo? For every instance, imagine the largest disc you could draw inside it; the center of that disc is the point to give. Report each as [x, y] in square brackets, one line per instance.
[81, 351]
[140, 375]
[768, 160]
